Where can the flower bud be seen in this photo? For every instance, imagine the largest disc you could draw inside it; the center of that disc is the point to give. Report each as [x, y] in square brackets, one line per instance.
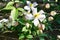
[14, 23]
[41, 31]
[53, 13]
[47, 5]
[58, 36]
[41, 26]
[27, 25]
[50, 18]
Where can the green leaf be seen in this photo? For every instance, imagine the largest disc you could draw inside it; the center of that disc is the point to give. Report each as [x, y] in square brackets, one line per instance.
[38, 32]
[21, 36]
[29, 36]
[1, 25]
[16, 0]
[8, 8]
[10, 4]
[41, 38]
[43, 35]
[23, 1]
[24, 29]
[14, 14]
[21, 9]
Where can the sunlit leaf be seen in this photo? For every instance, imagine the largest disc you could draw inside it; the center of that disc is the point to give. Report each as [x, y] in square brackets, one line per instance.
[29, 36]
[24, 29]
[21, 36]
[14, 14]
[10, 4]
[21, 9]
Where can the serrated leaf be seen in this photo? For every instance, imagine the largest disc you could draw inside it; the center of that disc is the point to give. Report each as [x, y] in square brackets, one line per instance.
[29, 36]
[14, 14]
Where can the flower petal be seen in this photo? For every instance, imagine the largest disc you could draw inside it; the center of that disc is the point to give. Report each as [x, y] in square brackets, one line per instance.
[36, 22]
[34, 10]
[29, 16]
[42, 17]
[1, 21]
[41, 12]
[5, 20]
[35, 4]
[28, 2]
[27, 8]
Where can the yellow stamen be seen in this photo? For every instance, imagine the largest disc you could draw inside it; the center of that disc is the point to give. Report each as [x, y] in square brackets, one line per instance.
[36, 15]
[31, 5]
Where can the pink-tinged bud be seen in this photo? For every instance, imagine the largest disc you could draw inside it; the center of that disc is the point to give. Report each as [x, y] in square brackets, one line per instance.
[27, 25]
[14, 23]
[41, 26]
[53, 13]
[47, 6]
[50, 18]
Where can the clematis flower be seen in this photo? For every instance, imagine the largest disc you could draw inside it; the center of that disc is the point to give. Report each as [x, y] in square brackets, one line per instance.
[28, 15]
[38, 16]
[30, 5]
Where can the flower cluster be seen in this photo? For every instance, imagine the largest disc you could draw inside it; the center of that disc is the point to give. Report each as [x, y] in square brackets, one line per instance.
[36, 17]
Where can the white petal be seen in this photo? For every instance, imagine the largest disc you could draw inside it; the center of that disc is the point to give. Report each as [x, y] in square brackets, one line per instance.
[34, 10]
[29, 16]
[28, 2]
[5, 20]
[42, 17]
[27, 8]
[1, 21]
[35, 4]
[36, 22]
[41, 12]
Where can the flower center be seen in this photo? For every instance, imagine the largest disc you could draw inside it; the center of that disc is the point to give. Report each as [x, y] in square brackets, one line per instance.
[36, 15]
[31, 5]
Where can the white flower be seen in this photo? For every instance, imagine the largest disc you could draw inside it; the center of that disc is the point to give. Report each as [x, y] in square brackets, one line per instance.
[38, 16]
[29, 16]
[5, 20]
[30, 5]
[36, 22]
